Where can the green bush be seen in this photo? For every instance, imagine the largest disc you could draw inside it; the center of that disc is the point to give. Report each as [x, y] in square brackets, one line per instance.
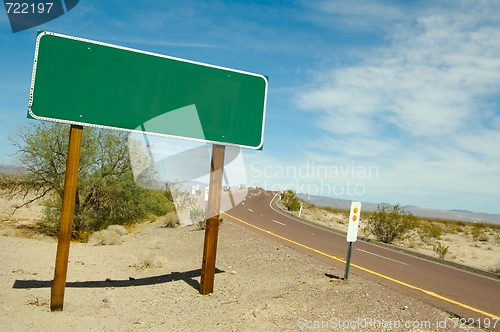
[388, 224]
[290, 200]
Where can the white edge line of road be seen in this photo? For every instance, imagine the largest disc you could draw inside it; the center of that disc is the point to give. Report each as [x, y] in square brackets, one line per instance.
[403, 253]
[371, 253]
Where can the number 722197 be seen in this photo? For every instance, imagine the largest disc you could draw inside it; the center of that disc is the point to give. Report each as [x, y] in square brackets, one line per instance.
[464, 323]
[24, 8]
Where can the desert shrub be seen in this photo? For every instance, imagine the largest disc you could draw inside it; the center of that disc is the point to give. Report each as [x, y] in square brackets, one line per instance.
[118, 229]
[318, 214]
[440, 250]
[483, 237]
[9, 232]
[170, 220]
[197, 214]
[452, 228]
[428, 229]
[476, 232]
[495, 269]
[389, 224]
[147, 259]
[460, 224]
[105, 238]
[412, 244]
[290, 200]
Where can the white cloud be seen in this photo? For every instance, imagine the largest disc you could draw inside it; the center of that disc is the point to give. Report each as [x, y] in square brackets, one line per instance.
[425, 107]
[427, 83]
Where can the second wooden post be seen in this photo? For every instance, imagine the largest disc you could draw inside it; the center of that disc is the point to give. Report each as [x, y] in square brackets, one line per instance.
[65, 228]
[213, 212]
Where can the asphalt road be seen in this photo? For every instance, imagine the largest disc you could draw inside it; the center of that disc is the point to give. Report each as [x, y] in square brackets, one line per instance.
[456, 291]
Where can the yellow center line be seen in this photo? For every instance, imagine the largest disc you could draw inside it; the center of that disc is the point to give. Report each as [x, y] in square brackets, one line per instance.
[370, 271]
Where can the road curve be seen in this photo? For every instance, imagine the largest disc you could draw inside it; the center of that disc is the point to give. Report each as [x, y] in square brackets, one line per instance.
[456, 291]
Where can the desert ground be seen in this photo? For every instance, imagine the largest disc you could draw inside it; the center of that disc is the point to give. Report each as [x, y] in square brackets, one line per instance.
[148, 280]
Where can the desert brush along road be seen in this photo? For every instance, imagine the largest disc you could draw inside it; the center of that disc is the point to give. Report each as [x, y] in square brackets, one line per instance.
[464, 294]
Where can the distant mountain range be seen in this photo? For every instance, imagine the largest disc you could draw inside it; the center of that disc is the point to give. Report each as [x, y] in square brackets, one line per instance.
[458, 215]
[337, 203]
[10, 169]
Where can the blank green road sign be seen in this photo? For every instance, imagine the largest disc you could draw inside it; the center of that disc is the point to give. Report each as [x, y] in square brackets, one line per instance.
[89, 83]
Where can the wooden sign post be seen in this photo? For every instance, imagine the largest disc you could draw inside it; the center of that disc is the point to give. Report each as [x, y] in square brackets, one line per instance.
[213, 212]
[65, 228]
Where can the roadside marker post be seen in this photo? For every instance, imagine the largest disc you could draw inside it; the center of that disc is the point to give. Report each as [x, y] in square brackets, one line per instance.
[352, 233]
[82, 82]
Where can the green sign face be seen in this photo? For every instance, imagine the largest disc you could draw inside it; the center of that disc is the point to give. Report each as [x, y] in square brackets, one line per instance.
[90, 83]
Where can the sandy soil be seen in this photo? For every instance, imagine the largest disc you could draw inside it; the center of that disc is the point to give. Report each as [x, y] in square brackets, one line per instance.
[463, 249]
[153, 280]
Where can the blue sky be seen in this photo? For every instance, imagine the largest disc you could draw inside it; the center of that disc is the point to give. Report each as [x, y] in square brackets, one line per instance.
[378, 101]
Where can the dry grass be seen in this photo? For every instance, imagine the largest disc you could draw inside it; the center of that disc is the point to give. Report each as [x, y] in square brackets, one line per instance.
[10, 232]
[413, 244]
[147, 259]
[169, 220]
[484, 237]
[118, 229]
[105, 238]
[495, 269]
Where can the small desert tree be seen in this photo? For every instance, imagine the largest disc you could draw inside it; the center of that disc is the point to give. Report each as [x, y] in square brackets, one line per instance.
[290, 200]
[388, 224]
[106, 190]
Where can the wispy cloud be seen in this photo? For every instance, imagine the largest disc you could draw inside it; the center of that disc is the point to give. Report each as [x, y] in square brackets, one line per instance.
[358, 14]
[431, 83]
[426, 105]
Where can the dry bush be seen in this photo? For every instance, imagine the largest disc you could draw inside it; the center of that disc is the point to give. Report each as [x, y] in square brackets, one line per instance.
[147, 259]
[170, 220]
[455, 228]
[105, 238]
[440, 250]
[476, 233]
[412, 244]
[495, 269]
[318, 214]
[483, 237]
[118, 229]
[37, 302]
[8, 232]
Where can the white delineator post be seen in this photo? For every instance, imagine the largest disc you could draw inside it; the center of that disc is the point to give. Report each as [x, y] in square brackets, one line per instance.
[352, 233]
